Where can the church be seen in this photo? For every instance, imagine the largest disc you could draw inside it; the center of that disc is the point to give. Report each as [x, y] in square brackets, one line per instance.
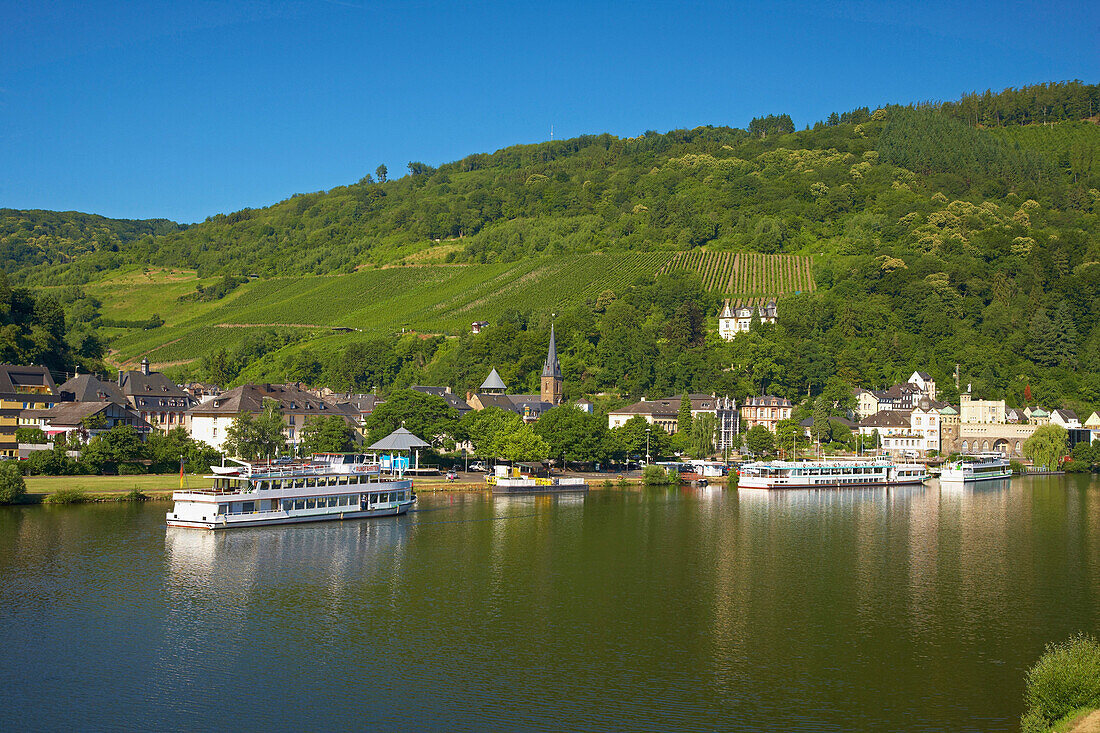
[492, 391]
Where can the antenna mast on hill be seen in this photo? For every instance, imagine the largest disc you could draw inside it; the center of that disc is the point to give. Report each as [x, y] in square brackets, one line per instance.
[551, 133]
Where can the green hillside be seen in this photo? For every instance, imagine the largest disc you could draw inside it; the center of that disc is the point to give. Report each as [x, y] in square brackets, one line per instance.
[905, 237]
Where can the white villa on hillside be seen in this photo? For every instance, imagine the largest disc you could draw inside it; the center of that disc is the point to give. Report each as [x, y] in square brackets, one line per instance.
[738, 319]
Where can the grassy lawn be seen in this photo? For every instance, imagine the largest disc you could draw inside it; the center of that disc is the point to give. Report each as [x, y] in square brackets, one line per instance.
[106, 485]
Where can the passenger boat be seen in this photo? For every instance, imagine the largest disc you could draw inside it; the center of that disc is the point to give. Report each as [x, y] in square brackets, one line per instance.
[326, 486]
[976, 467]
[829, 474]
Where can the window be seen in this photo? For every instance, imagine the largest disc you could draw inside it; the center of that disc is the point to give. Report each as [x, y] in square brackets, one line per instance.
[311, 503]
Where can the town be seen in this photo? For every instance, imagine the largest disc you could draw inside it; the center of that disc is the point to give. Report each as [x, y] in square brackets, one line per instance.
[89, 423]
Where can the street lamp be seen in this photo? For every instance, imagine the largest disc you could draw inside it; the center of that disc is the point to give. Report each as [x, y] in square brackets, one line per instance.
[647, 446]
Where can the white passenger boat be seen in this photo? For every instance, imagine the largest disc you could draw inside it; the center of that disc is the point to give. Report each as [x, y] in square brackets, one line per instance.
[327, 486]
[829, 474]
[976, 467]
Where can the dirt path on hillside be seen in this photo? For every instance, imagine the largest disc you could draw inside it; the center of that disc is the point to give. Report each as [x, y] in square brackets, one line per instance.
[1088, 724]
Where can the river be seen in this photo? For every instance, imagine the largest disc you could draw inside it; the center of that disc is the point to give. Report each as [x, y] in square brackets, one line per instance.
[914, 609]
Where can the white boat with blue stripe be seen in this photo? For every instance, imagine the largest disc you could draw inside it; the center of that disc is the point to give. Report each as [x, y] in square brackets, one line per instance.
[326, 486]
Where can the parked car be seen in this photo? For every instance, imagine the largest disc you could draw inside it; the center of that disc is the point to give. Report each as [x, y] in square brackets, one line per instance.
[452, 475]
[478, 466]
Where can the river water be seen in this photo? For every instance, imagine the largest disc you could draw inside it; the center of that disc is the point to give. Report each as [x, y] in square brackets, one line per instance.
[915, 609]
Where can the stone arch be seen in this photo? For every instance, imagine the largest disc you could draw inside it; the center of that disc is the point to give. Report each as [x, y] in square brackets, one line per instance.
[965, 447]
[1001, 446]
[1017, 450]
[985, 446]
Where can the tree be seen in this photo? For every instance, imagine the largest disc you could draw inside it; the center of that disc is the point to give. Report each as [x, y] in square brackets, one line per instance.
[381, 171]
[12, 485]
[629, 439]
[425, 415]
[251, 437]
[326, 435]
[702, 435]
[166, 449]
[683, 418]
[574, 435]
[483, 429]
[789, 435]
[759, 440]
[523, 444]
[1047, 446]
[112, 448]
[30, 435]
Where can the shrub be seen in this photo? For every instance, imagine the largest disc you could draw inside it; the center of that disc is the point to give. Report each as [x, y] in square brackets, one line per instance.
[607, 484]
[135, 494]
[1017, 468]
[12, 485]
[1075, 467]
[1066, 678]
[656, 476]
[130, 469]
[67, 496]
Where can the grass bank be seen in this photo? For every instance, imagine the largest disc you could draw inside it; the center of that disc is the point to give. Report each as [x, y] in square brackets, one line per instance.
[105, 488]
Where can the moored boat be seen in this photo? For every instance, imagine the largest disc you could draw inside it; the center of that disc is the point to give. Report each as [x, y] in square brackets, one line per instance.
[975, 467]
[829, 474]
[325, 487]
[508, 480]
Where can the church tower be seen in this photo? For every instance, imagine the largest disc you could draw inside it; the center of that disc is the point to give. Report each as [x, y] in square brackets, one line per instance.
[551, 374]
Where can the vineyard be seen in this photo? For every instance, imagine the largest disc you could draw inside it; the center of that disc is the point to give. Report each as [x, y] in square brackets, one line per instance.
[747, 274]
[432, 299]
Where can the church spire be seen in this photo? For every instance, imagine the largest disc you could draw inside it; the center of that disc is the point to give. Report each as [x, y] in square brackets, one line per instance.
[550, 382]
[552, 367]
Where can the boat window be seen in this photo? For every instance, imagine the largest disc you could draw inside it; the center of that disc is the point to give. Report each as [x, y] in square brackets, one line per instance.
[311, 503]
[287, 505]
[332, 501]
[248, 506]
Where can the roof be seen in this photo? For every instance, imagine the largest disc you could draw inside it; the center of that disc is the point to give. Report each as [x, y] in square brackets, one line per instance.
[671, 405]
[1093, 421]
[445, 392]
[1039, 412]
[767, 401]
[493, 381]
[514, 402]
[250, 398]
[400, 439]
[73, 413]
[90, 388]
[13, 376]
[949, 410]
[552, 367]
[137, 384]
[1067, 415]
[923, 375]
[887, 419]
[809, 422]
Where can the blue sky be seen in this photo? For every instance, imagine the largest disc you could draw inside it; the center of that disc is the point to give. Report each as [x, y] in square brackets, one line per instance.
[184, 110]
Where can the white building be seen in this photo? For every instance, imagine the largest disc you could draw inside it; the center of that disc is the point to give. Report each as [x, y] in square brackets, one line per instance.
[981, 412]
[738, 319]
[1066, 418]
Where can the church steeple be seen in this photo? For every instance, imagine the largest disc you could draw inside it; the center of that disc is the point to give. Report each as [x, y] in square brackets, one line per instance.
[551, 373]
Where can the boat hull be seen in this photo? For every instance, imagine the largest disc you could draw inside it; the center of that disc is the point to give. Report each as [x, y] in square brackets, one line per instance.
[952, 479]
[749, 484]
[238, 521]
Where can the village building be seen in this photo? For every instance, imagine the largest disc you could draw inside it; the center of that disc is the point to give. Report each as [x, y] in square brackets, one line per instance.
[1015, 416]
[901, 396]
[1066, 418]
[766, 410]
[980, 412]
[738, 318]
[90, 388]
[210, 420]
[22, 388]
[1039, 416]
[895, 432]
[452, 399]
[492, 392]
[1093, 425]
[87, 419]
[665, 413]
[161, 402]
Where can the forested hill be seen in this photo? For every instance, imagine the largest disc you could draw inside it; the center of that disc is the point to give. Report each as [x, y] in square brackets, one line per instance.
[859, 182]
[29, 238]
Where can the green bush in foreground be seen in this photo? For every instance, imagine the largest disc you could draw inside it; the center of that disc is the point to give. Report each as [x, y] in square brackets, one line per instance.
[656, 476]
[135, 494]
[1065, 679]
[12, 486]
[67, 496]
[1017, 468]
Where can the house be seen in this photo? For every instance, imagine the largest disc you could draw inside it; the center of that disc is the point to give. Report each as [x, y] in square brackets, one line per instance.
[808, 424]
[980, 412]
[925, 383]
[22, 388]
[738, 319]
[585, 405]
[160, 401]
[925, 420]
[665, 413]
[201, 392]
[1015, 416]
[90, 388]
[1066, 418]
[1093, 425]
[452, 399]
[766, 410]
[476, 326]
[896, 397]
[867, 402]
[210, 420]
[895, 432]
[86, 418]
